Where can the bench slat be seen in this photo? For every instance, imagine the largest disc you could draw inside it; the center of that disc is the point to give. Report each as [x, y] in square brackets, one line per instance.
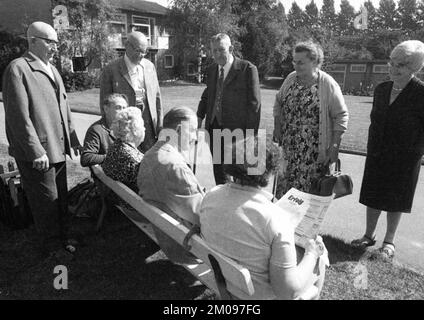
[201, 271]
[238, 275]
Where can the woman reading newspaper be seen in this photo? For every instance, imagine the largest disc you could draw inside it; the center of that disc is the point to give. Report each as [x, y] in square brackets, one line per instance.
[239, 220]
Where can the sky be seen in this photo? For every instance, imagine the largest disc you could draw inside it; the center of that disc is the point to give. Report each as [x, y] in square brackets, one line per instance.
[302, 3]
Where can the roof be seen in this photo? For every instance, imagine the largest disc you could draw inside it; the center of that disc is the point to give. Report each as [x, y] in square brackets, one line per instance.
[140, 6]
[362, 61]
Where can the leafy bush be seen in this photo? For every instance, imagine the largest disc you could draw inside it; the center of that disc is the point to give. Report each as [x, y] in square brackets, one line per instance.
[11, 47]
[79, 81]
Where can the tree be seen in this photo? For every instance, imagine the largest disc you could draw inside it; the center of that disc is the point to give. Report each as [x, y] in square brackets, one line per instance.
[387, 16]
[371, 15]
[194, 22]
[262, 35]
[296, 17]
[89, 30]
[311, 15]
[328, 15]
[345, 18]
[408, 10]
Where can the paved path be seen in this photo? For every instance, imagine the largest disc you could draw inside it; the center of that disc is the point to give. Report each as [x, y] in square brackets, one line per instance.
[346, 217]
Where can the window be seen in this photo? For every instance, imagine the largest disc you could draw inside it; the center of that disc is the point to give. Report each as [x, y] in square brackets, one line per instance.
[337, 68]
[380, 68]
[144, 25]
[191, 69]
[169, 61]
[118, 30]
[358, 68]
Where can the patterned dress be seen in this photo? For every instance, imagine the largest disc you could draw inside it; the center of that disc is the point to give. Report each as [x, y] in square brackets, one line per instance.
[121, 164]
[300, 137]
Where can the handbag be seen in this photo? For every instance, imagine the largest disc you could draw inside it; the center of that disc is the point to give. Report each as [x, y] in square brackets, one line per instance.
[15, 212]
[336, 183]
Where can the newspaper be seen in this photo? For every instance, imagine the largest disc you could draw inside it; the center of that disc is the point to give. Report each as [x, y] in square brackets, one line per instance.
[306, 212]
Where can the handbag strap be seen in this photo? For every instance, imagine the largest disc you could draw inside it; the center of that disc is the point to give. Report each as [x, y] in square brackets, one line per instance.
[326, 167]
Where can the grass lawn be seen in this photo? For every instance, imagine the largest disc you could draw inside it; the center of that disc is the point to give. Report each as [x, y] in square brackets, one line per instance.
[355, 138]
[120, 262]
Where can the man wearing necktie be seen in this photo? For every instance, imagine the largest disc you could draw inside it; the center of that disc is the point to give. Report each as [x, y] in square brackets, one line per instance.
[136, 77]
[231, 99]
[40, 135]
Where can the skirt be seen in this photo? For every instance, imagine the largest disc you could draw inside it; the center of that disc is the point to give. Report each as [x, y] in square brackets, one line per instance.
[390, 180]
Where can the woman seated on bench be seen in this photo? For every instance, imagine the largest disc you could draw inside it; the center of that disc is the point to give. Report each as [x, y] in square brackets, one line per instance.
[123, 158]
[166, 180]
[239, 220]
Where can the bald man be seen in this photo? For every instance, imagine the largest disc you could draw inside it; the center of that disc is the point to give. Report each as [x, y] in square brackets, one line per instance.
[135, 76]
[40, 134]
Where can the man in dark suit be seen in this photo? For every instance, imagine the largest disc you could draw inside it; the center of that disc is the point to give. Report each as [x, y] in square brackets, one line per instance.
[136, 77]
[231, 99]
[40, 134]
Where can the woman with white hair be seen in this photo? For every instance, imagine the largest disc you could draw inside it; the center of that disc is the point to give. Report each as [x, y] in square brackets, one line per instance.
[123, 158]
[395, 145]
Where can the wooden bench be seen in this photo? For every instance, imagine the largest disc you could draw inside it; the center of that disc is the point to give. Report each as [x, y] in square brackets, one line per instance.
[217, 272]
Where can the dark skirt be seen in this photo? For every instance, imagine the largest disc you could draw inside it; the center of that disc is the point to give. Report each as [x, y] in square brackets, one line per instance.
[390, 180]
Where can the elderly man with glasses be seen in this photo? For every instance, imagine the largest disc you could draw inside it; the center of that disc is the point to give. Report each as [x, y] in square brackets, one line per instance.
[40, 135]
[136, 77]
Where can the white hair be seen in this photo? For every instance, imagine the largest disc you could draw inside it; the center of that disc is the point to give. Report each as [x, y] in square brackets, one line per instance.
[128, 124]
[412, 51]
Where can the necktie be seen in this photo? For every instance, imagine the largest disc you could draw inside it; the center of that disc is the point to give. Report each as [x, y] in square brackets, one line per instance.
[139, 91]
[218, 98]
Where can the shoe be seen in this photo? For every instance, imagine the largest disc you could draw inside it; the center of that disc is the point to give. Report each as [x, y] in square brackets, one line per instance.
[363, 242]
[387, 250]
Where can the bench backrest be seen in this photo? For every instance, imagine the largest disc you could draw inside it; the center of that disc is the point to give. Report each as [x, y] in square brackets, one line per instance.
[231, 271]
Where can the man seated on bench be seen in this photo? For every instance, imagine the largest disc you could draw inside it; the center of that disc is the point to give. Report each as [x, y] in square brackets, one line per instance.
[239, 220]
[167, 181]
[123, 157]
[99, 135]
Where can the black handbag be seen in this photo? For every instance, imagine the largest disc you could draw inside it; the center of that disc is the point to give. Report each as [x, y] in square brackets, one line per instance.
[15, 212]
[339, 184]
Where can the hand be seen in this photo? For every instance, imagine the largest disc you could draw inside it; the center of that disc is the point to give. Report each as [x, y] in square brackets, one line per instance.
[77, 150]
[315, 247]
[41, 164]
[332, 155]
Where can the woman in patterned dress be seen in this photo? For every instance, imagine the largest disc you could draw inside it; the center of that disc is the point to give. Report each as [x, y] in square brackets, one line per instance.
[395, 145]
[310, 117]
[123, 158]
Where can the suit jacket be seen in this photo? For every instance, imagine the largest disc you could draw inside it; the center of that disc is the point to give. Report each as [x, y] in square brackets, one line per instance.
[96, 143]
[116, 79]
[241, 100]
[37, 115]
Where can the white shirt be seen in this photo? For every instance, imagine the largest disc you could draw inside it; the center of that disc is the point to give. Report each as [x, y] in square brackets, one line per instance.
[47, 67]
[137, 79]
[227, 67]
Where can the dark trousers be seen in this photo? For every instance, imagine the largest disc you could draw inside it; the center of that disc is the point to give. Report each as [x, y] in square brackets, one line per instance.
[218, 168]
[150, 137]
[47, 194]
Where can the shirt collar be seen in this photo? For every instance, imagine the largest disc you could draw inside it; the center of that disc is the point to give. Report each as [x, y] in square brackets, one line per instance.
[251, 189]
[47, 65]
[130, 66]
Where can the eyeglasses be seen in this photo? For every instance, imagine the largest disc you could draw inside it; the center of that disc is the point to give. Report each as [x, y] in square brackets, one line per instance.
[48, 41]
[397, 65]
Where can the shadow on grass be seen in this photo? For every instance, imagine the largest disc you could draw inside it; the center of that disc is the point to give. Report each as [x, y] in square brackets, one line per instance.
[340, 251]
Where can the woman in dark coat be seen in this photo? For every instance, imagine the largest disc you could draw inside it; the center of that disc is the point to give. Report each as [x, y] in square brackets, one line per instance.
[395, 145]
